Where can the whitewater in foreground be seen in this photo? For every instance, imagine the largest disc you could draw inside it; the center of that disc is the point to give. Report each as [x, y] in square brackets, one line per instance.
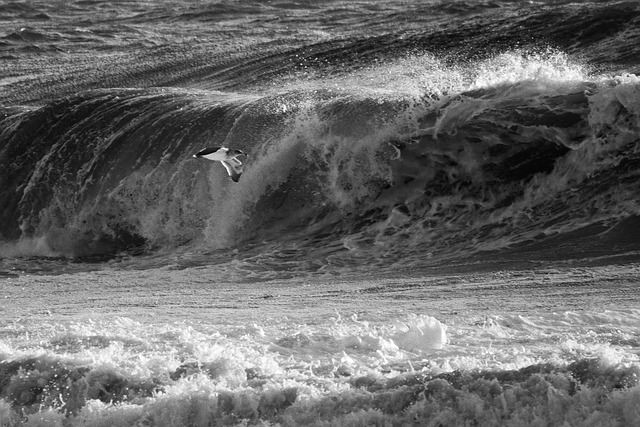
[182, 347]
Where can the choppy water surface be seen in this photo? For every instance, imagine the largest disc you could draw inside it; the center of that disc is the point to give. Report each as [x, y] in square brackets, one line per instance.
[437, 221]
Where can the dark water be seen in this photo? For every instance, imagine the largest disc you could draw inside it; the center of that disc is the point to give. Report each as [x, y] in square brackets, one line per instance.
[375, 132]
[406, 159]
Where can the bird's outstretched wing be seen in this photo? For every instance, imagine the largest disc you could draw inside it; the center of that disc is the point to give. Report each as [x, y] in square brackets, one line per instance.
[234, 169]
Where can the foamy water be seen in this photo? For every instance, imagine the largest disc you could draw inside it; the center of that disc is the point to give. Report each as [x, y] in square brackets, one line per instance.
[167, 347]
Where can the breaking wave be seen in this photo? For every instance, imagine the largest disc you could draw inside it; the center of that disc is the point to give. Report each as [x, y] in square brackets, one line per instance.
[424, 159]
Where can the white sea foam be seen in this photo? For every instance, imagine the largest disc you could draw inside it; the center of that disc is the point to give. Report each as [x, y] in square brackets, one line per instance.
[121, 371]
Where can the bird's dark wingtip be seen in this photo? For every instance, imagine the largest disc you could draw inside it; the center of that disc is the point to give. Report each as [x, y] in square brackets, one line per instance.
[206, 151]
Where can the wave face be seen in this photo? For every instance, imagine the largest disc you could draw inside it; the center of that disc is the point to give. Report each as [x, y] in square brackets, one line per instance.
[407, 147]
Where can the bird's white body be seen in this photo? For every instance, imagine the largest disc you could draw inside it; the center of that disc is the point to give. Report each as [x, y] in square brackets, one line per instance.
[228, 158]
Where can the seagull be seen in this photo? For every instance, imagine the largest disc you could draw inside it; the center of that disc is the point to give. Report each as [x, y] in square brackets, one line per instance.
[226, 156]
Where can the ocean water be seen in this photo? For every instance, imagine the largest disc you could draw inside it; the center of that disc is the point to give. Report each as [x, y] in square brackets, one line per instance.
[438, 221]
